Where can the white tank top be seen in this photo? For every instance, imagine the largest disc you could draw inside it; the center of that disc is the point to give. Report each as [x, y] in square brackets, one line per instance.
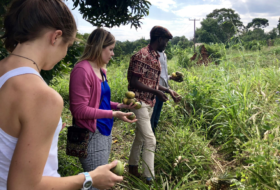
[8, 143]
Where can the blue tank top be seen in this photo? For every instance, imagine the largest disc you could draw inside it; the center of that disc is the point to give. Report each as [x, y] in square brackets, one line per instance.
[105, 125]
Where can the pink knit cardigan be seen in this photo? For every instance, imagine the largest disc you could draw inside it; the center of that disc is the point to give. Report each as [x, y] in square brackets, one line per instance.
[84, 96]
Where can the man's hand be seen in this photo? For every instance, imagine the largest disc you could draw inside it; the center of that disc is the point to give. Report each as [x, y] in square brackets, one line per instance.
[176, 97]
[177, 79]
[161, 96]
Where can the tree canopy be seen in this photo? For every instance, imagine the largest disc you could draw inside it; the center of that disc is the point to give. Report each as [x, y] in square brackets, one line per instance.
[278, 26]
[3, 9]
[106, 13]
[210, 31]
[219, 26]
[227, 19]
[226, 15]
[258, 23]
[110, 13]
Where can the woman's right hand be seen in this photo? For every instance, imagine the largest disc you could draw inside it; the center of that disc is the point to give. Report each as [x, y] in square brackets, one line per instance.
[123, 116]
[103, 178]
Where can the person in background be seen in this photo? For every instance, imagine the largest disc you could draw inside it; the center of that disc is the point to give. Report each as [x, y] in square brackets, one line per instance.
[163, 81]
[143, 79]
[90, 98]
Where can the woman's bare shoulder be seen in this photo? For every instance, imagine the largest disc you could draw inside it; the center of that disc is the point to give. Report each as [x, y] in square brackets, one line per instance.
[32, 90]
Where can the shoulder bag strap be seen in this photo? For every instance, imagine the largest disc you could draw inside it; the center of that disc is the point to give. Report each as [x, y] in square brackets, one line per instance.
[102, 74]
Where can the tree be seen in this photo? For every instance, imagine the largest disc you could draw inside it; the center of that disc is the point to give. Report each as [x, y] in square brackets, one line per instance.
[272, 34]
[175, 40]
[258, 23]
[228, 20]
[111, 13]
[278, 26]
[3, 9]
[210, 31]
[256, 34]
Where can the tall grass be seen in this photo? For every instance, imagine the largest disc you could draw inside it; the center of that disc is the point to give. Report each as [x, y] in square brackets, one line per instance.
[227, 109]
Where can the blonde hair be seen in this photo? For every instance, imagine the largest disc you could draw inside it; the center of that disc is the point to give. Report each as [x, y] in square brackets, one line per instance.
[96, 42]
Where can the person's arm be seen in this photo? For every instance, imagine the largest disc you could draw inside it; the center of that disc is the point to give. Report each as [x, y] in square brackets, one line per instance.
[39, 113]
[164, 89]
[79, 92]
[114, 105]
[140, 86]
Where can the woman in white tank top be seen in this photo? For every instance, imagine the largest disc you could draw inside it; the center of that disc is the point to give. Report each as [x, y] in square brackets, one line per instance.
[38, 34]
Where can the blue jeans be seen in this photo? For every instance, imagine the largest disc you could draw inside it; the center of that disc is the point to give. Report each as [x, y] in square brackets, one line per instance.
[156, 114]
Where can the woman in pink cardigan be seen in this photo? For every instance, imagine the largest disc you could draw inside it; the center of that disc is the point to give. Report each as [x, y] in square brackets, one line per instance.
[90, 98]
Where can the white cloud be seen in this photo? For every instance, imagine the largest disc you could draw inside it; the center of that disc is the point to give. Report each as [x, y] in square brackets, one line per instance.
[165, 5]
[178, 27]
[200, 11]
[181, 25]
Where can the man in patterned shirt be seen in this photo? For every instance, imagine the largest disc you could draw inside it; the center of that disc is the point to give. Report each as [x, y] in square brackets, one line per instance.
[143, 79]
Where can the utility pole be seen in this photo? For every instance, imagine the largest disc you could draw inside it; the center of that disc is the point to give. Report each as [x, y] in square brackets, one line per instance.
[194, 33]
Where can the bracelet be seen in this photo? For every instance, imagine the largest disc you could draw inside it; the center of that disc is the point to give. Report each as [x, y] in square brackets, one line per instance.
[167, 90]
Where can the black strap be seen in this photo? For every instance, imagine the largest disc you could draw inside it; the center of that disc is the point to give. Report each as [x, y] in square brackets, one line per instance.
[102, 75]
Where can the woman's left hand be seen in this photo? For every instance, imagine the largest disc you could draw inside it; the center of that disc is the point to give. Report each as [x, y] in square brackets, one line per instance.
[130, 106]
[123, 116]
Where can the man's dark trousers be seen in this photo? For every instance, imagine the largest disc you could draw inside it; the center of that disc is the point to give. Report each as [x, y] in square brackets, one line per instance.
[156, 114]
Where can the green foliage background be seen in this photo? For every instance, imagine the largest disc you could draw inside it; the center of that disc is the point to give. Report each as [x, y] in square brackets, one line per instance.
[230, 110]
[227, 123]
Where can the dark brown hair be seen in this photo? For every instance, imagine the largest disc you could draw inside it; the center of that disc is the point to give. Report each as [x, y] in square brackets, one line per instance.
[26, 19]
[96, 42]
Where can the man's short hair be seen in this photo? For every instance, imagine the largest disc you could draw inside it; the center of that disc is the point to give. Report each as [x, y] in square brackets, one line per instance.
[159, 31]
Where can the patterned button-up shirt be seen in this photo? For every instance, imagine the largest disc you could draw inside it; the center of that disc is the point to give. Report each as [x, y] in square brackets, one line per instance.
[145, 65]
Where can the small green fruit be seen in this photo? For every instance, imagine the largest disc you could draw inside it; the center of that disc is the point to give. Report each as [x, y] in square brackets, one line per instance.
[125, 100]
[129, 101]
[130, 94]
[138, 105]
[179, 74]
[131, 117]
[118, 170]
[174, 75]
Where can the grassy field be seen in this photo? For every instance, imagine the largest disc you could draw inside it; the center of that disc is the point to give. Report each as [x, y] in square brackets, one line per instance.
[222, 135]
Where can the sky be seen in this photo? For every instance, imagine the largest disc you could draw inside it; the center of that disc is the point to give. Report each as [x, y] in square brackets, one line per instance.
[175, 15]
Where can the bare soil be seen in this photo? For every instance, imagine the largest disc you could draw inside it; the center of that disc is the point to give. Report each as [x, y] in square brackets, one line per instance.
[203, 58]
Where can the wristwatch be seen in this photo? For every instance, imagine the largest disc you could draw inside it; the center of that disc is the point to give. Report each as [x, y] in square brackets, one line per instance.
[88, 181]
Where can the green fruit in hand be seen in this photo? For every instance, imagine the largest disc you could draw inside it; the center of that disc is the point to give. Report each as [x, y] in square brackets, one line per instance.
[118, 170]
[131, 117]
[125, 100]
[129, 101]
[179, 74]
[130, 94]
[138, 105]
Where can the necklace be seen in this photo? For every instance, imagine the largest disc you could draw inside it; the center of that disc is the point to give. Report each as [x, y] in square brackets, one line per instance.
[28, 59]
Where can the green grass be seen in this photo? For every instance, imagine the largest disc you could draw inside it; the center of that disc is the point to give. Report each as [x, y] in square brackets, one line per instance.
[218, 127]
